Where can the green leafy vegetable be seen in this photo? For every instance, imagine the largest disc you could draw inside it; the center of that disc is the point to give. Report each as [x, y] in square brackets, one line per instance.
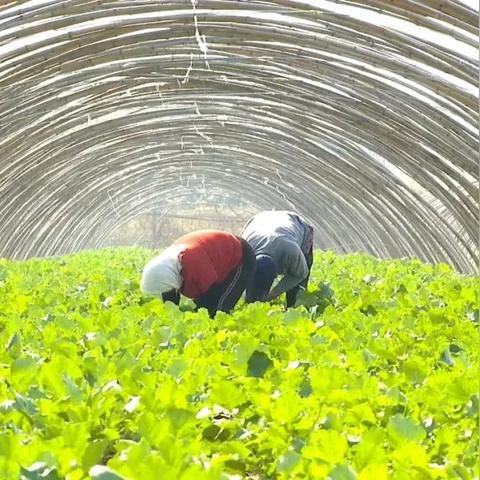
[374, 375]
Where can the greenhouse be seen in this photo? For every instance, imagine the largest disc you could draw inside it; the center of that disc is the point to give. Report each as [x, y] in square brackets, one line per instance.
[126, 125]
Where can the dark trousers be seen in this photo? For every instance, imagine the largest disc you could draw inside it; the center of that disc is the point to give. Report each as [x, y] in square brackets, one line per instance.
[224, 296]
[292, 294]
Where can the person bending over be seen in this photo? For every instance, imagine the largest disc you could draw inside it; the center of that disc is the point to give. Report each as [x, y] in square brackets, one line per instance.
[283, 245]
[209, 266]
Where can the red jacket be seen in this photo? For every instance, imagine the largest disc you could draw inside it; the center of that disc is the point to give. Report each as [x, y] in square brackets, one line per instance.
[210, 256]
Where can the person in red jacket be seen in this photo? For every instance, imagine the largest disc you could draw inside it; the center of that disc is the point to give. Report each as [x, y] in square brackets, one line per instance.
[211, 267]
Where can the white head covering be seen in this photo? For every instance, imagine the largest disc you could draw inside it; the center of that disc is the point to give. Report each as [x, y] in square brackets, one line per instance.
[162, 273]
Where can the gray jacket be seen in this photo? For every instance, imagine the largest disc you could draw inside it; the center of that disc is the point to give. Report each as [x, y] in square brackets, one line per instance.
[280, 234]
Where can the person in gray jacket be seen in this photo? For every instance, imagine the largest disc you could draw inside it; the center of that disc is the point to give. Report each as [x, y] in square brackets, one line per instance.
[283, 245]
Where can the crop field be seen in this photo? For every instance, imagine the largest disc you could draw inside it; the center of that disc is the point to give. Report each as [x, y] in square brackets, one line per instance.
[374, 375]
